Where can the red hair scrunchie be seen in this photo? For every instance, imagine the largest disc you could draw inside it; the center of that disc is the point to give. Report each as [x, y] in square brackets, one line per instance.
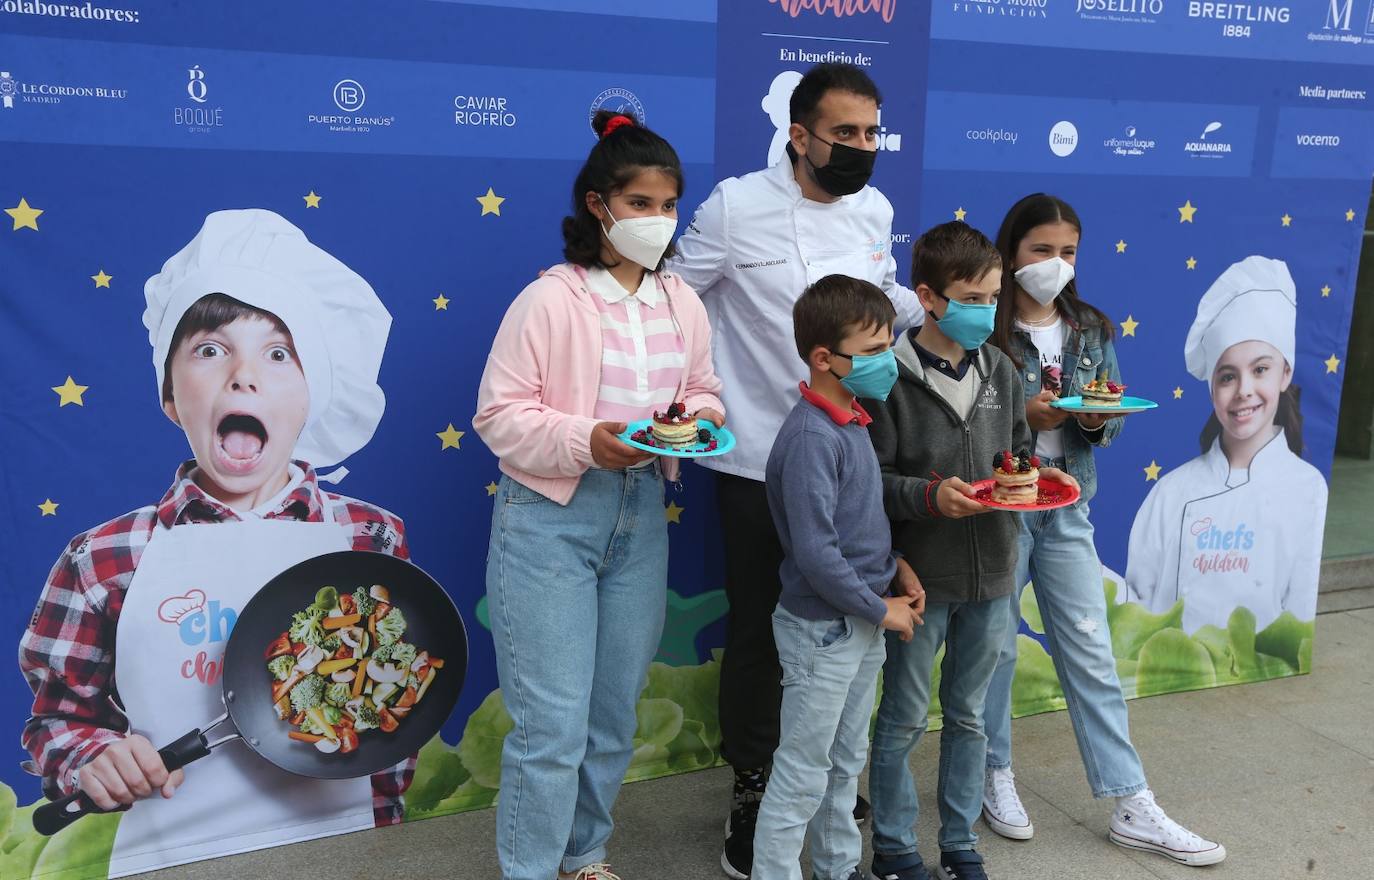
[616, 122]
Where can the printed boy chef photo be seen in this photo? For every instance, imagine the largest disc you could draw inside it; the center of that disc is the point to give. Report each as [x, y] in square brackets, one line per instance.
[1240, 525]
[266, 350]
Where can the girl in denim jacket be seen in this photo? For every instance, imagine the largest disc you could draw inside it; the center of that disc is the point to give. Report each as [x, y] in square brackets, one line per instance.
[1060, 343]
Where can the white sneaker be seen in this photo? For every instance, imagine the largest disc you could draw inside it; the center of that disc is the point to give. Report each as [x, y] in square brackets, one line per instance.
[1139, 823]
[1002, 808]
[598, 871]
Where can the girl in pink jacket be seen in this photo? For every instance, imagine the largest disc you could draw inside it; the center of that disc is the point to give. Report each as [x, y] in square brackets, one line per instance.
[578, 561]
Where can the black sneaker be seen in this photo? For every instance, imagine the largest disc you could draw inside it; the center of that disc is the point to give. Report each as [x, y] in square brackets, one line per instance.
[738, 858]
[912, 872]
[861, 810]
[963, 864]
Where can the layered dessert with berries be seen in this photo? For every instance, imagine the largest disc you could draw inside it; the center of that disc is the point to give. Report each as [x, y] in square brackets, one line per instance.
[675, 428]
[1102, 392]
[1017, 478]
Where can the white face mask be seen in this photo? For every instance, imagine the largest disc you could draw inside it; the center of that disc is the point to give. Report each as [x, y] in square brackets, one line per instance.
[640, 240]
[1045, 280]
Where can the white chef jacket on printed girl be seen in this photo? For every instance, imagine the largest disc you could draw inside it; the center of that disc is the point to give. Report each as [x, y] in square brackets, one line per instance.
[1219, 537]
[752, 248]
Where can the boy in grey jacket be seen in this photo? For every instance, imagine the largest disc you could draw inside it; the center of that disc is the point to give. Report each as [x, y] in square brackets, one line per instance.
[957, 404]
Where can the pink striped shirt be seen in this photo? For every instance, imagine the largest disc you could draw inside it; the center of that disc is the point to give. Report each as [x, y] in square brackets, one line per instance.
[643, 352]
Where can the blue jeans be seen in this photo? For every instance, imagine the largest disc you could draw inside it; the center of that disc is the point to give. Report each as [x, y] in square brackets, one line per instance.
[973, 634]
[1058, 555]
[829, 676]
[577, 597]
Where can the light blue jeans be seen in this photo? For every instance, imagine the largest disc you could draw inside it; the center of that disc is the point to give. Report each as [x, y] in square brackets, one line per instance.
[829, 676]
[577, 597]
[1058, 555]
[973, 634]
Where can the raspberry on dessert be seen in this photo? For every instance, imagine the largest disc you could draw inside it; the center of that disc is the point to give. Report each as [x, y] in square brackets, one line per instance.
[1035, 461]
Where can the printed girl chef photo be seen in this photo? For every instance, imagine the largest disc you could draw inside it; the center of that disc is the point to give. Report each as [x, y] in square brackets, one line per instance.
[1240, 525]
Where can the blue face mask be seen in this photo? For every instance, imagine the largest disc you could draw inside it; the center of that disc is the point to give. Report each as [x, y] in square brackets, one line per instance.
[870, 375]
[967, 326]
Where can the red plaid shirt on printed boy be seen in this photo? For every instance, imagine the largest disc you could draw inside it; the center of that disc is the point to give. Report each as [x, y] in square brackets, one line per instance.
[67, 652]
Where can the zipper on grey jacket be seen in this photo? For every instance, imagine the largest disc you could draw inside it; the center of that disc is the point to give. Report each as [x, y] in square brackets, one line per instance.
[968, 461]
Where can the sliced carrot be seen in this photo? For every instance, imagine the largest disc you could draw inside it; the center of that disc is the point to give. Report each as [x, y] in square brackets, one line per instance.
[282, 688]
[360, 679]
[340, 622]
[304, 737]
[408, 698]
[436, 662]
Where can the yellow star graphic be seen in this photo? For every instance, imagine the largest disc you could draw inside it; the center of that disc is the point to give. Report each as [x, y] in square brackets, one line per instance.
[312, 200]
[450, 437]
[1152, 472]
[1326, 291]
[960, 213]
[491, 489]
[1287, 220]
[1332, 363]
[1350, 215]
[1128, 326]
[441, 303]
[1192, 262]
[1185, 213]
[101, 279]
[1178, 393]
[24, 216]
[1121, 246]
[491, 203]
[70, 392]
[49, 507]
[673, 512]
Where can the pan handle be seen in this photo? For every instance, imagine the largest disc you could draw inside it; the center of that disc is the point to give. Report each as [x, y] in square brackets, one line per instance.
[52, 817]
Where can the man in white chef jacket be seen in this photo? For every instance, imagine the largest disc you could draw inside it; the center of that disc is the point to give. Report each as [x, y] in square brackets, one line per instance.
[752, 248]
[266, 351]
[1241, 524]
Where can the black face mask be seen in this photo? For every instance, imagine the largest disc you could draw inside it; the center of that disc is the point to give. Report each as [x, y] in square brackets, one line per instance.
[848, 170]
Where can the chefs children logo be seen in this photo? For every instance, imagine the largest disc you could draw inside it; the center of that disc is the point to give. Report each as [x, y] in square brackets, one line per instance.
[1221, 550]
[200, 624]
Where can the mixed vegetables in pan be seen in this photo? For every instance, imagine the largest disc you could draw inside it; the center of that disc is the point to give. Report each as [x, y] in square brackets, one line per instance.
[344, 668]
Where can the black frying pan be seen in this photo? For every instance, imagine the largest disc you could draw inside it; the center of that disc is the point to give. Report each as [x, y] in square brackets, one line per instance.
[432, 624]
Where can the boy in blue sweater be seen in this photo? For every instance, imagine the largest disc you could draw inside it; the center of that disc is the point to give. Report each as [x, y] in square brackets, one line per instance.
[825, 493]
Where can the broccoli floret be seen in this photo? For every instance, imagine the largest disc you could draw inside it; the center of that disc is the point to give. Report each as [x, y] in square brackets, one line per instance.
[305, 627]
[368, 716]
[391, 627]
[281, 667]
[364, 601]
[338, 693]
[308, 694]
[402, 653]
[383, 654]
[330, 643]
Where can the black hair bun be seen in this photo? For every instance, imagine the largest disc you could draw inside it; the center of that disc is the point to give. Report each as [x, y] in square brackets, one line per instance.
[602, 121]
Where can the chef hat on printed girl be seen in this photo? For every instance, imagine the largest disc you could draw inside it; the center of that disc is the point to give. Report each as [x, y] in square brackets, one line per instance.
[337, 323]
[1252, 299]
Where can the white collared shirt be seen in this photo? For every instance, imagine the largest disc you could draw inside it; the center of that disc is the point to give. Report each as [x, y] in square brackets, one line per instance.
[752, 248]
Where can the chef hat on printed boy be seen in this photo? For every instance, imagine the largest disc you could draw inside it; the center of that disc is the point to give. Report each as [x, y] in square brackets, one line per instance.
[1253, 299]
[337, 323]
